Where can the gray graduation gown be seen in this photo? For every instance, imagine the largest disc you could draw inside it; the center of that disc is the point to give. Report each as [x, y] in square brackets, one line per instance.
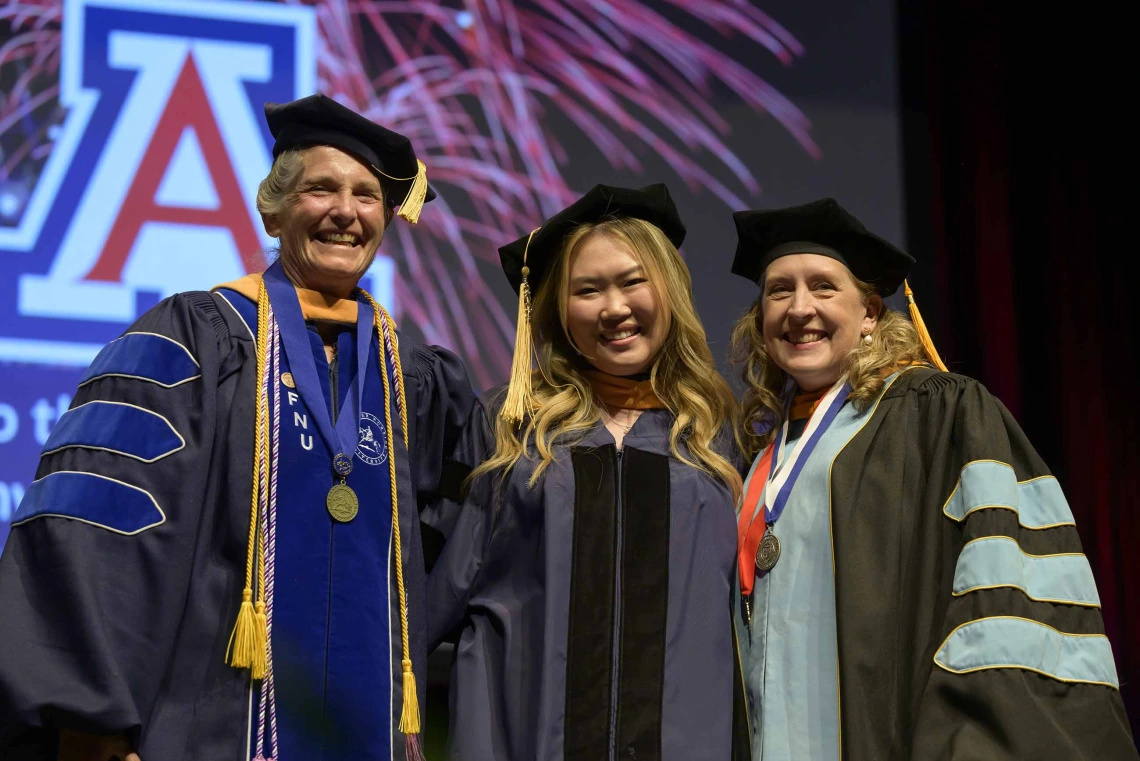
[594, 610]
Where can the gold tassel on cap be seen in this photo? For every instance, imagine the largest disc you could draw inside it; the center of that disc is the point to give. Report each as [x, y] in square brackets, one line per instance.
[520, 393]
[414, 201]
[920, 326]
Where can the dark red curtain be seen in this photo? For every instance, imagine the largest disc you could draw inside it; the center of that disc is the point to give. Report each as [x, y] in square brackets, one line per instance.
[1018, 169]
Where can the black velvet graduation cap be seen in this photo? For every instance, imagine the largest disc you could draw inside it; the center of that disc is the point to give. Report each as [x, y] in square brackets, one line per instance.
[820, 227]
[320, 120]
[539, 249]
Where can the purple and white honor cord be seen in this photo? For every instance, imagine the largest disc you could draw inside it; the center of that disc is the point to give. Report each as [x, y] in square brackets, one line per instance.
[268, 702]
[389, 349]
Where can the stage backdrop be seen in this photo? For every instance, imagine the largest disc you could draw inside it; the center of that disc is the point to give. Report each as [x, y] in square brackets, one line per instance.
[132, 143]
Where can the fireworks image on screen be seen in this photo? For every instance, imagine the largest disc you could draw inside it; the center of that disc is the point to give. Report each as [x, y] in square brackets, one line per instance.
[499, 97]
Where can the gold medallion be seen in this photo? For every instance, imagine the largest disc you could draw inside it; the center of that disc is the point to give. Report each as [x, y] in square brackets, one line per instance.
[768, 552]
[287, 379]
[342, 503]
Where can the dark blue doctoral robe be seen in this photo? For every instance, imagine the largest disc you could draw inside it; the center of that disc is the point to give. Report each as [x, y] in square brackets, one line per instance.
[122, 577]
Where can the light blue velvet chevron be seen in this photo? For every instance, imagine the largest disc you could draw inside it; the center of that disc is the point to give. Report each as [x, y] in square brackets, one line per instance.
[1004, 642]
[998, 561]
[984, 484]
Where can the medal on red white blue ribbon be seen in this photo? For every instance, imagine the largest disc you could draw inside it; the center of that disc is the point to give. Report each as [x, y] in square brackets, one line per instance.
[783, 472]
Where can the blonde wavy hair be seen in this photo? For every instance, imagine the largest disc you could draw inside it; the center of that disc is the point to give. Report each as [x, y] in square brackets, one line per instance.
[683, 372]
[894, 343]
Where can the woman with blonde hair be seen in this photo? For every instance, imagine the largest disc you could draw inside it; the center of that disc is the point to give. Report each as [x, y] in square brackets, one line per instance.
[589, 569]
[910, 581]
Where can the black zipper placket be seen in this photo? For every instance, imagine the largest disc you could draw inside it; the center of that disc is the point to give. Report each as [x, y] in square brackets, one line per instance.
[619, 537]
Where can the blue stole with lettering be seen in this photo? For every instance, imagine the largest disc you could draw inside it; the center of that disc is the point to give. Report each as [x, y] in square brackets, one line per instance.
[332, 631]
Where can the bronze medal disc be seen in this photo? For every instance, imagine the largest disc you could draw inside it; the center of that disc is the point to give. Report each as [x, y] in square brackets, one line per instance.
[287, 379]
[768, 552]
[342, 503]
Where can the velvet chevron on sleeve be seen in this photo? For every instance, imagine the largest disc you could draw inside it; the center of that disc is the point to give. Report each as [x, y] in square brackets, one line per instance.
[101, 623]
[968, 620]
[124, 571]
[594, 608]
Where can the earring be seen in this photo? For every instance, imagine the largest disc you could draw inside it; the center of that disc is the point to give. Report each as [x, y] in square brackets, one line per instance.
[867, 338]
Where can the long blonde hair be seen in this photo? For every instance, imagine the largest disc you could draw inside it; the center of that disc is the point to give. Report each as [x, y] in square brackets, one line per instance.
[894, 343]
[683, 372]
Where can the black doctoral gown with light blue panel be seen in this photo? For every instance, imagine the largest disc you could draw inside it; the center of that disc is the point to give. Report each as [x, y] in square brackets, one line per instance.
[123, 574]
[931, 600]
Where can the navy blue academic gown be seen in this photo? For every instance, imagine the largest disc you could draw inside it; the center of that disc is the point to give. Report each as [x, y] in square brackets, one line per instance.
[122, 577]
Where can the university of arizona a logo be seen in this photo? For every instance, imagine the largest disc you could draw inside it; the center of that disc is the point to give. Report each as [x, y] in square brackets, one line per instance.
[150, 185]
[373, 444]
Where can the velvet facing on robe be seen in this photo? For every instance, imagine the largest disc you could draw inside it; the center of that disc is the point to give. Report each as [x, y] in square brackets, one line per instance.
[126, 630]
[592, 612]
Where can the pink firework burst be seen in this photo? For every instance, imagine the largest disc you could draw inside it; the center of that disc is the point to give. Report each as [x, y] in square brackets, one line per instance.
[498, 96]
[489, 91]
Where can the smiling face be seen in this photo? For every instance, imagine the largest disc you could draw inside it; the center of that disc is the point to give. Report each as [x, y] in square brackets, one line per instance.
[813, 315]
[331, 224]
[613, 313]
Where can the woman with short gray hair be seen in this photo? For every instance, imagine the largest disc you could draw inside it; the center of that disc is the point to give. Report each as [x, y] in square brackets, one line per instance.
[220, 557]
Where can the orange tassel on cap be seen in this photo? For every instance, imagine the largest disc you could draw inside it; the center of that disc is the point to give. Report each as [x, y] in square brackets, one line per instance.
[920, 326]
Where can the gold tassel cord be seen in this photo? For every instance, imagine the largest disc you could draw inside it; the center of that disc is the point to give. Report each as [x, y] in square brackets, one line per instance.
[248, 644]
[417, 194]
[261, 625]
[519, 401]
[410, 710]
[920, 326]
[241, 651]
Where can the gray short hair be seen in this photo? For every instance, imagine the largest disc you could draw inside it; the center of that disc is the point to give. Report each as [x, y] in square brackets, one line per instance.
[274, 190]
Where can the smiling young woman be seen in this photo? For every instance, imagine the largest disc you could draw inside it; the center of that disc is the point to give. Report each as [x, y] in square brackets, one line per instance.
[910, 583]
[590, 566]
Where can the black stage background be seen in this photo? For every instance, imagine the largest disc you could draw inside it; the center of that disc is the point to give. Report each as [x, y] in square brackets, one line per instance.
[1020, 191]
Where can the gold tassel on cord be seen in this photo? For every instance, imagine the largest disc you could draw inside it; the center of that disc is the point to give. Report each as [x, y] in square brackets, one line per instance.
[410, 715]
[414, 201]
[261, 637]
[520, 393]
[248, 641]
[920, 326]
[242, 641]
